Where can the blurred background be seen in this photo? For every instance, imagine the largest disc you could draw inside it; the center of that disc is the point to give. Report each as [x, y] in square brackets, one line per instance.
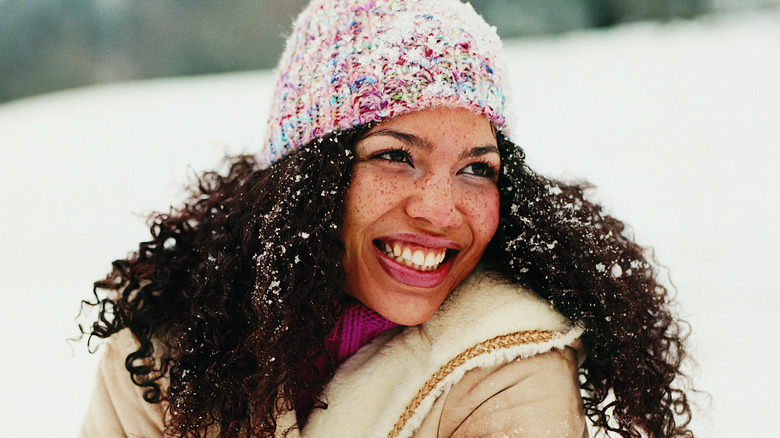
[49, 45]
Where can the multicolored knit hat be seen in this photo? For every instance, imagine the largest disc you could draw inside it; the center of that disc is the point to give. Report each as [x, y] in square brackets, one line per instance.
[351, 62]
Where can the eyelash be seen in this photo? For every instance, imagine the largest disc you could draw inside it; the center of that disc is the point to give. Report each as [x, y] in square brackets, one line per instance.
[490, 170]
[407, 155]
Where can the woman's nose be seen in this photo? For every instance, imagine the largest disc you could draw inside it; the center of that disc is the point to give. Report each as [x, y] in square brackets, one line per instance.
[432, 199]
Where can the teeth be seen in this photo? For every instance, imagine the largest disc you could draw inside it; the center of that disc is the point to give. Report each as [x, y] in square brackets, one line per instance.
[418, 259]
[431, 259]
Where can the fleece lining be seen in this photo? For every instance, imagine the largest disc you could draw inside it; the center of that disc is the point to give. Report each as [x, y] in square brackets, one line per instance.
[389, 386]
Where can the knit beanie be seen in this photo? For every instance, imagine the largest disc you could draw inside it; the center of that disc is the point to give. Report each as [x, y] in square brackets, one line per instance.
[352, 62]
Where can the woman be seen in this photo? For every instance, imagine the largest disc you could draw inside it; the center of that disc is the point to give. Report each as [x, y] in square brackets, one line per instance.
[388, 266]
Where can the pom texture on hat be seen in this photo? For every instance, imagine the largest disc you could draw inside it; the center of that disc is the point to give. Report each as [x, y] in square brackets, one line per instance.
[351, 62]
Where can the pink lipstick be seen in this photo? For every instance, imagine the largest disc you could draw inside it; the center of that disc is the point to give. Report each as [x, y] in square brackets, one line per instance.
[413, 277]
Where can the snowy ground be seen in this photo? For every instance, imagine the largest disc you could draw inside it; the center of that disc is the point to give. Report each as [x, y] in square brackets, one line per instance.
[676, 124]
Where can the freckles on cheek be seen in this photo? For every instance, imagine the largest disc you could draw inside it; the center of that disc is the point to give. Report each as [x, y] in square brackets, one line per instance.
[487, 207]
[373, 189]
[369, 193]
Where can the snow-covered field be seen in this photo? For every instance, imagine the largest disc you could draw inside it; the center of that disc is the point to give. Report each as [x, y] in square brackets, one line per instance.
[678, 125]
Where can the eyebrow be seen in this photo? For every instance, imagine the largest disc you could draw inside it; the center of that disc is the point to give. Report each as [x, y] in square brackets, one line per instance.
[479, 151]
[410, 139]
[419, 142]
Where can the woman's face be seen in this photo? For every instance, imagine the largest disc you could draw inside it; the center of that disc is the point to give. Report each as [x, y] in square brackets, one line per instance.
[421, 208]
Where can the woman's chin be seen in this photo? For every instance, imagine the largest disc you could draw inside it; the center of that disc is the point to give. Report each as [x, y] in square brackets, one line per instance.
[412, 315]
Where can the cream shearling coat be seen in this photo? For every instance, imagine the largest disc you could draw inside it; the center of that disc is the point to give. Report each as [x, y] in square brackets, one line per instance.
[493, 361]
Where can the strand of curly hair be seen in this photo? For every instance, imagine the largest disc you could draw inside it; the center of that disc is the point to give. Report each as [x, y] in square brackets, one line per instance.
[232, 298]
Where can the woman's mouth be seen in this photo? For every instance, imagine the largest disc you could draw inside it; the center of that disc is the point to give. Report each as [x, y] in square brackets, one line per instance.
[414, 265]
[420, 259]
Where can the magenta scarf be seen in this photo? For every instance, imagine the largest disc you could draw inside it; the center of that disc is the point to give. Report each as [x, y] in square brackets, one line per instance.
[356, 326]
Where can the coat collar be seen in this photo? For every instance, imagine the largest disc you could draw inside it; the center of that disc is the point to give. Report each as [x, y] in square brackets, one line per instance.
[387, 379]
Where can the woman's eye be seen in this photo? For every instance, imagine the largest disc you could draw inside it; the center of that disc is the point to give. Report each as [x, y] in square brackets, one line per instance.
[395, 155]
[484, 170]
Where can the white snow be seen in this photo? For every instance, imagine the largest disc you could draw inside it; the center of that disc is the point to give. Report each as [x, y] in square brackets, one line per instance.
[676, 124]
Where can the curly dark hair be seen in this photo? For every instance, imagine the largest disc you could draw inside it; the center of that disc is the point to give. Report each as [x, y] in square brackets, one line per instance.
[239, 287]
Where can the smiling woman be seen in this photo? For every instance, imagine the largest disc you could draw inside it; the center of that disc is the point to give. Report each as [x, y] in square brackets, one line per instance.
[387, 266]
[421, 208]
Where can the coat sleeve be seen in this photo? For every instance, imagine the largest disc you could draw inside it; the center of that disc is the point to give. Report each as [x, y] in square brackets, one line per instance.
[532, 397]
[117, 408]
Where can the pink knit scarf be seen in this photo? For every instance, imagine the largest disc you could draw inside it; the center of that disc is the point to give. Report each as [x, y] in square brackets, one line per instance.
[357, 326]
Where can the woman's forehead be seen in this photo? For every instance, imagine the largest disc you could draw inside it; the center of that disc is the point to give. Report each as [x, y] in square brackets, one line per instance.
[436, 121]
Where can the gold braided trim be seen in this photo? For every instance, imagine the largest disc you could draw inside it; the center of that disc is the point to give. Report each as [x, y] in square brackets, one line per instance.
[489, 346]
